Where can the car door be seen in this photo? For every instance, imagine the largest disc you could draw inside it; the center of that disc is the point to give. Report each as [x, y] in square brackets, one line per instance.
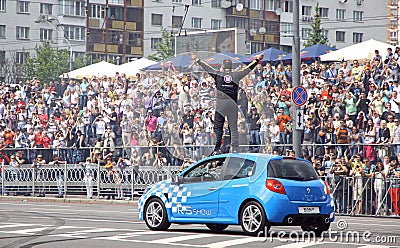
[235, 185]
[201, 190]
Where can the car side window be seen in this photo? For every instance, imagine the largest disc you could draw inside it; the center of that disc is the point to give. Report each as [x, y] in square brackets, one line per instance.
[207, 171]
[239, 168]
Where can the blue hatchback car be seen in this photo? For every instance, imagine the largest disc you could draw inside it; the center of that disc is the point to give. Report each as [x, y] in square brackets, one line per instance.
[256, 191]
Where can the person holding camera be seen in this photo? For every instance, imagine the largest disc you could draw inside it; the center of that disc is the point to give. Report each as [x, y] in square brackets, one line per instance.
[37, 165]
[227, 85]
[160, 161]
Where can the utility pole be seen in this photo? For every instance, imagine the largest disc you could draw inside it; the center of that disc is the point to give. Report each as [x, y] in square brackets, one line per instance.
[296, 73]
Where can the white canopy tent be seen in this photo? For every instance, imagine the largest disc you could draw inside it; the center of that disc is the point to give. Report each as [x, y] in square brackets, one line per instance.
[358, 51]
[99, 69]
[133, 67]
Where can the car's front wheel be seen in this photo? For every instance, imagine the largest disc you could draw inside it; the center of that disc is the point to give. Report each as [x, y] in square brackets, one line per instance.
[253, 219]
[217, 227]
[317, 228]
[155, 215]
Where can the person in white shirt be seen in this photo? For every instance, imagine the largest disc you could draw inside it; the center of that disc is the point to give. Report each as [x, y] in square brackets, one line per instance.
[273, 129]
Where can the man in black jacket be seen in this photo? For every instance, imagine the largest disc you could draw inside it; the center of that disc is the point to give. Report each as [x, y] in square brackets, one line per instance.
[227, 84]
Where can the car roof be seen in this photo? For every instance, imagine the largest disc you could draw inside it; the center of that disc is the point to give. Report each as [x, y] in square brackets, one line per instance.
[252, 156]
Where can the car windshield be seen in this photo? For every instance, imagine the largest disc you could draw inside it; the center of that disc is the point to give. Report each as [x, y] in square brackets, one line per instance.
[292, 169]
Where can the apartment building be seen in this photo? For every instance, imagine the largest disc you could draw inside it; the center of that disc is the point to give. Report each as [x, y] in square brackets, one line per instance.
[393, 22]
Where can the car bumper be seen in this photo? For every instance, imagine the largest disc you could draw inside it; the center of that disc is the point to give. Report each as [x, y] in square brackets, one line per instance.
[279, 210]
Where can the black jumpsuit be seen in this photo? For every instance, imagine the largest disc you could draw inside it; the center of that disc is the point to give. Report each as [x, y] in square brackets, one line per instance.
[227, 84]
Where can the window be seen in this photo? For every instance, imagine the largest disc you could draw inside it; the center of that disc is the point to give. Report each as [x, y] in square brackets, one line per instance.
[357, 37]
[156, 19]
[393, 12]
[324, 33]
[271, 5]
[75, 8]
[239, 22]
[358, 16]
[22, 33]
[207, 171]
[323, 12]
[2, 31]
[2, 5]
[20, 57]
[116, 13]
[288, 6]
[23, 7]
[306, 10]
[216, 3]
[216, 24]
[196, 22]
[305, 33]
[393, 2]
[46, 8]
[2, 57]
[134, 39]
[393, 23]
[177, 1]
[393, 34]
[340, 14]
[292, 169]
[177, 21]
[196, 2]
[256, 4]
[96, 11]
[155, 42]
[74, 33]
[46, 34]
[238, 168]
[340, 36]
[286, 28]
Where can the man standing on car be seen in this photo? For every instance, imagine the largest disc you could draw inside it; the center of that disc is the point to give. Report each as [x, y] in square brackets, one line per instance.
[227, 84]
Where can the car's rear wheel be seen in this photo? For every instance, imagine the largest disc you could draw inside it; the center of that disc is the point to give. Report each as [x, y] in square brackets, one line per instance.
[217, 227]
[317, 228]
[155, 215]
[252, 218]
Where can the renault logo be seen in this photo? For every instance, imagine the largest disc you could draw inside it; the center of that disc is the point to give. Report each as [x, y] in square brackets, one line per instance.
[308, 190]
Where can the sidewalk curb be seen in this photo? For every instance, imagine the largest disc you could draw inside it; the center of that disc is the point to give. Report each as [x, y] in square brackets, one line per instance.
[68, 200]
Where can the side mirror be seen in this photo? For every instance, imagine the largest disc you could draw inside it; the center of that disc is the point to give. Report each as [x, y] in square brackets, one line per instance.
[180, 180]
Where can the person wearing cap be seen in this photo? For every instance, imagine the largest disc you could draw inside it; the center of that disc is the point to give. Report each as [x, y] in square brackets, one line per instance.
[227, 85]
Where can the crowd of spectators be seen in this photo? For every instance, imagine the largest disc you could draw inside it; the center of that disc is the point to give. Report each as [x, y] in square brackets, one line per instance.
[353, 111]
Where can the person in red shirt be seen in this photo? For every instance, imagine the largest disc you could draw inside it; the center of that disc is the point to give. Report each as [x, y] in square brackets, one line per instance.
[38, 141]
[283, 119]
[46, 140]
[8, 137]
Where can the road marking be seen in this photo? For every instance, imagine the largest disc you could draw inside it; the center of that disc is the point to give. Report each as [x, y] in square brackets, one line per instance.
[232, 242]
[84, 210]
[29, 204]
[28, 231]
[299, 244]
[181, 238]
[17, 225]
[91, 220]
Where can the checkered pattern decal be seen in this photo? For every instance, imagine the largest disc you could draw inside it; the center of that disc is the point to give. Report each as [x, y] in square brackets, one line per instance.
[177, 194]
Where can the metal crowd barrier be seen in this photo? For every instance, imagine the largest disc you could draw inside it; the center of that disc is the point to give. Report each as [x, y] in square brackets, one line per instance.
[70, 179]
[366, 196]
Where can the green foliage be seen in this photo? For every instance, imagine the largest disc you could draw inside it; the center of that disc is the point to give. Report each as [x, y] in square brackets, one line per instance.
[81, 61]
[48, 63]
[165, 49]
[315, 35]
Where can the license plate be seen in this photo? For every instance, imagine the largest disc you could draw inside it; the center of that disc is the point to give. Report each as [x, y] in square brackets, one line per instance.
[308, 210]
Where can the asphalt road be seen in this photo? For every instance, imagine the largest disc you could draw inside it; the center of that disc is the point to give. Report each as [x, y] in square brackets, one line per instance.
[39, 224]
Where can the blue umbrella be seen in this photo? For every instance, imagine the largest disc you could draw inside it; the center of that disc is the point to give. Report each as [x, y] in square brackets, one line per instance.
[180, 63]
[218, 58]
[310, 54]
[270, 55]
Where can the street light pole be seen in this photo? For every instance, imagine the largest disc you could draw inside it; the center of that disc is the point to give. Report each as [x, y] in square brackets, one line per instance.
[49, 21]
[296, 74]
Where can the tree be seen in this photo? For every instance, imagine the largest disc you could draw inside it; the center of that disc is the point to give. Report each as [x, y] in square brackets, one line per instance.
[165, 48]
[48, 63]
[316, 36]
